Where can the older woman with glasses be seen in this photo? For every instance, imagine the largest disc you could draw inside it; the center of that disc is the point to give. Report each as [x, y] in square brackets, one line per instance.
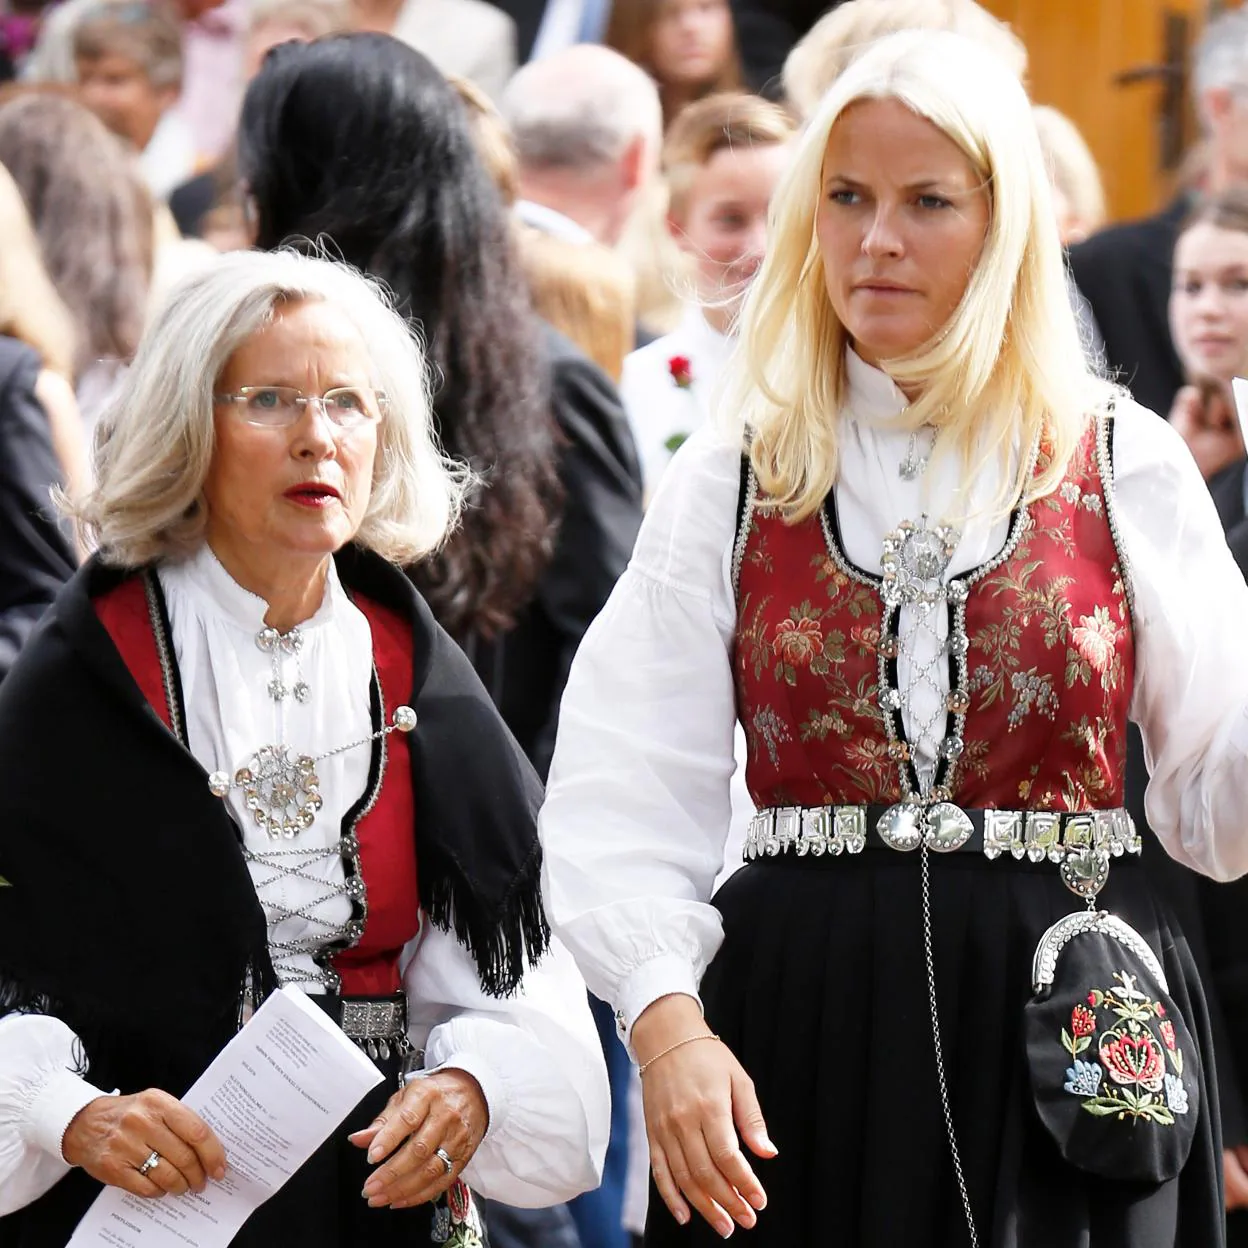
[279, 770]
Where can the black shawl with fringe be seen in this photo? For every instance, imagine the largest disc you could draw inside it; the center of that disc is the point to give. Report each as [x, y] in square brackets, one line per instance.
[128, 909]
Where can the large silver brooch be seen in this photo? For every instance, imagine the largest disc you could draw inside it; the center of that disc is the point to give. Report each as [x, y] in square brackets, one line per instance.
[942, 827]
[280, 788]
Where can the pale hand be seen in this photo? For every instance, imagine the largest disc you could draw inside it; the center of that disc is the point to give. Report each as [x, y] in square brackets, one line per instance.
[696, 1099]
[112, 1136]
[447, 1111]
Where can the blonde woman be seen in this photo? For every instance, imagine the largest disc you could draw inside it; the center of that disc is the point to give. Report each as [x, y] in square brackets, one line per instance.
[934, 579]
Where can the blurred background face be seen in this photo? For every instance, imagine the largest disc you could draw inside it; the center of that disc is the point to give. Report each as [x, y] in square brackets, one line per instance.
[724, 224]
[1225, 110]
[1209, 301]
[692, 41]
[118, 91]
[900, 226]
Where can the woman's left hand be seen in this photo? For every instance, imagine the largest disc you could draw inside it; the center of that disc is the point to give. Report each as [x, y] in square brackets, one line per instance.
[444, 1111]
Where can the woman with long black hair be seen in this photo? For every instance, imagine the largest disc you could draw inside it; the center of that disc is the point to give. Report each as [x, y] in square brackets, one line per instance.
[358, 143]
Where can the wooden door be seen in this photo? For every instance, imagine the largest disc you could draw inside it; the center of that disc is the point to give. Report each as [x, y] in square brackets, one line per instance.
[1101, 63]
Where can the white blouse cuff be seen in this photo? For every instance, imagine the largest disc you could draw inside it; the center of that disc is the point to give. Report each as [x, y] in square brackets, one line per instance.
[493, 1086]
[54, 1107]
[661, 976]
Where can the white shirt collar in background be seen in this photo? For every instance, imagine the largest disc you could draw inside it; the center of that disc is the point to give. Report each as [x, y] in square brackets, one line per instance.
[551, 222]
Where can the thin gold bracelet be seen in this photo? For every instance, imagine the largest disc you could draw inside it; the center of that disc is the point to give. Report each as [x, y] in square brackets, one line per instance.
[645, 1066]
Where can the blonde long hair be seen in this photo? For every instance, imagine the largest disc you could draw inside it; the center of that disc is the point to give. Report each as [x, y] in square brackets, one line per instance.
[1008, 362]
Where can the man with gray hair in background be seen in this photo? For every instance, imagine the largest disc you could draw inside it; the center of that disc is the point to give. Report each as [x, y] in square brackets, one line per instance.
[587, 126]
[1124, 272]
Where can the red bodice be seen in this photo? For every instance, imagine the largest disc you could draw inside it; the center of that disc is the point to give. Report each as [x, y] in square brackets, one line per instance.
[1050, 662]
[386, 832]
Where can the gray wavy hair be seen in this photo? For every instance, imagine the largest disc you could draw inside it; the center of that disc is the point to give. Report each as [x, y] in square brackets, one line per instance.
[155, 441]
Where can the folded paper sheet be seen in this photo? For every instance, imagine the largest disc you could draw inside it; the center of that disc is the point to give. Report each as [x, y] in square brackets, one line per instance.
[273, 1095]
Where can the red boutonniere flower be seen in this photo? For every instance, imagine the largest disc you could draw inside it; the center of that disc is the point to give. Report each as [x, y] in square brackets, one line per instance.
[681, 371]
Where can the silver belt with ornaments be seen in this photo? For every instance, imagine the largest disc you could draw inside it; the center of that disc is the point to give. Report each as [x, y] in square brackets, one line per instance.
[1080, 843]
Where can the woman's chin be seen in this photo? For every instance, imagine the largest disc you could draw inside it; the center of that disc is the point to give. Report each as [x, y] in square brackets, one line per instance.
[311, 541]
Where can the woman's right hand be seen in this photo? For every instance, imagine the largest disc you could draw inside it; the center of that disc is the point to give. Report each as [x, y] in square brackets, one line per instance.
[696, 1099]
[112, 1136]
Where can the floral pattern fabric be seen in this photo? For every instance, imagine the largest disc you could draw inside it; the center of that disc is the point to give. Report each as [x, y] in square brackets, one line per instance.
[1050, 664]
[1134, 1070]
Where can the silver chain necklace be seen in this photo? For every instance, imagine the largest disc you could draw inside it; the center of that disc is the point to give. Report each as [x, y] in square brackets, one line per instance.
[915, 465]
[916, 561]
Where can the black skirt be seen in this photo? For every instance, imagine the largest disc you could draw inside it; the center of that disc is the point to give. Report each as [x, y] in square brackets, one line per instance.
[820, 989]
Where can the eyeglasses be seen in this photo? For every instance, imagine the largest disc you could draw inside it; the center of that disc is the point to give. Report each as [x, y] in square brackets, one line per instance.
[275, 407]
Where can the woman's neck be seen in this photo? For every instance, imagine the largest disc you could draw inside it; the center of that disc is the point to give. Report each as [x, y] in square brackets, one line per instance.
[721, 317]
[293, 589]
[676, 96]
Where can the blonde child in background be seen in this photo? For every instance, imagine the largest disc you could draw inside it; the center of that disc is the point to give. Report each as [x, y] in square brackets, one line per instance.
[722, 159]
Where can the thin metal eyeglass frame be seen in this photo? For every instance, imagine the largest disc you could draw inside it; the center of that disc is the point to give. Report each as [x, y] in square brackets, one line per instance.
[301, 402]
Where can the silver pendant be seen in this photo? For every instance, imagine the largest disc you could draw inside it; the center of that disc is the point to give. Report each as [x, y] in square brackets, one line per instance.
[901, 826]
[925, 554]
[948, 827]
[911, 469]
[1085, 871]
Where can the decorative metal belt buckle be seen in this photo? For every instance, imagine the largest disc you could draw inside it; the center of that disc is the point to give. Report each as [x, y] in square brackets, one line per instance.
[902, 826]
[1085, 871]
[943, 827]
[949, 827]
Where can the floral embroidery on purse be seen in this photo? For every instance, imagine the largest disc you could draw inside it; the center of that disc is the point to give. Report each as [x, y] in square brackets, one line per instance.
[1129, 1051]
[457, 1224]
[1115, 1070]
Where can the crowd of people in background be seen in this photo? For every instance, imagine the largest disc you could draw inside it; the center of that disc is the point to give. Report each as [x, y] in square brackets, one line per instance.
[568, 200]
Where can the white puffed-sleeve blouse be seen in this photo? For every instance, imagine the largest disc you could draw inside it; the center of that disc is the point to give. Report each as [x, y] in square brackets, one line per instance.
[637, 804]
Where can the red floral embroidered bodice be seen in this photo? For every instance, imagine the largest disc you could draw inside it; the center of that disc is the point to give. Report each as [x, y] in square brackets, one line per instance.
[1050, 662]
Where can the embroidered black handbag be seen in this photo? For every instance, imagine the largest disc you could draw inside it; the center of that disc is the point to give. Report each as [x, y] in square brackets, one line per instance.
[1114, 1070]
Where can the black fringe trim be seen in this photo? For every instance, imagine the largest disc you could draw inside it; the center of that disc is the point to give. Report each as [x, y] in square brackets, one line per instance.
[501, 942]
[17, 998]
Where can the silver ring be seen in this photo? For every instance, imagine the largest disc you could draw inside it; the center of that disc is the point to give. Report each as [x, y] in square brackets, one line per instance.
[445, 1159]
[153, 1160]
